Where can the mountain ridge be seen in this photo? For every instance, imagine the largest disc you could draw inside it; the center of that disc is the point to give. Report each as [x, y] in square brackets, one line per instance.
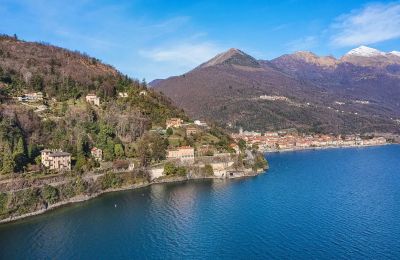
[303, 78]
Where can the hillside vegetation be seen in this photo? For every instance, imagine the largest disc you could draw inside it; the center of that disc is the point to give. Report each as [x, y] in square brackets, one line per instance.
[302, 91]
[64, 120]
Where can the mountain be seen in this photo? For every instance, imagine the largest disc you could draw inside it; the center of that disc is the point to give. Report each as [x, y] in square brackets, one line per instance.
[232, 57]
[362, 74]
[356, 93]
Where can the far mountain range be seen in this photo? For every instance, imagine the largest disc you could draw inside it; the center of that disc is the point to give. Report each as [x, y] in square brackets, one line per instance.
[357, 93]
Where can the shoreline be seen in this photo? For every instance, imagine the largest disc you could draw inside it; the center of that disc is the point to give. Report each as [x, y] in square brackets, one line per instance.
[173, 179]
[324, 148]
[82, 198]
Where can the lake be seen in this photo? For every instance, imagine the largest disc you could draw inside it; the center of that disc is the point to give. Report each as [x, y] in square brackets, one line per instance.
[326, 204]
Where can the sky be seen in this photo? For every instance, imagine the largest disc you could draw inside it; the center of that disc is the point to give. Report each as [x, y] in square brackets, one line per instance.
[153, 39]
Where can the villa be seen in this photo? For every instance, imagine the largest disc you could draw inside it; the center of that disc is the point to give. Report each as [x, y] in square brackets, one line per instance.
[174, 122]
[31, 97]
[191, 131]
[56, 160]
[93, 99]
[123, 94]
[184, 153]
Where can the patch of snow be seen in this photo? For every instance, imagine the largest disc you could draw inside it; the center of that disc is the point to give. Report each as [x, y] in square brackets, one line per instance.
[397, 53]
[365, 51]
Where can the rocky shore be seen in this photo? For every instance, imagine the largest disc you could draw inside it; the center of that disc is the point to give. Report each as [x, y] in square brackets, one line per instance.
[160, 180]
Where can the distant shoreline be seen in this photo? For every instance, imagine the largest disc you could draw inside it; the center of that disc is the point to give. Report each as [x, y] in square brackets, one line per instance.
[324, 148]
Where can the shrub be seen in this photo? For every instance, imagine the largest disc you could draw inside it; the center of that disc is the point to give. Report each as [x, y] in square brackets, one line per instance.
[208, 169]
[121, 164]
[110, 180]
[3, 202]
[50, 194]
[26, 201]
[171, 169]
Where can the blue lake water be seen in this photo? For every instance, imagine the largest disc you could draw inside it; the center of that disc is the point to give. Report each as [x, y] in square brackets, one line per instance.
[327, 204]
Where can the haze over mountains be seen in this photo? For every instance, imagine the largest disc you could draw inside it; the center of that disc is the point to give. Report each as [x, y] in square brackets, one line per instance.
[359, 92]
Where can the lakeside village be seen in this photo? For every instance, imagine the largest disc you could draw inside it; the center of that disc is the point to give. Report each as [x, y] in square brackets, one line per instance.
[289, 140]
[177, 151]
[218, 164]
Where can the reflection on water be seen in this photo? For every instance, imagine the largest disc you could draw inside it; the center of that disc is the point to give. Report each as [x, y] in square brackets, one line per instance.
[342, 203]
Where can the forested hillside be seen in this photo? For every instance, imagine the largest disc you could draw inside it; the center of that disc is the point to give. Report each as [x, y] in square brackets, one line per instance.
[63, 119]
[302, 91]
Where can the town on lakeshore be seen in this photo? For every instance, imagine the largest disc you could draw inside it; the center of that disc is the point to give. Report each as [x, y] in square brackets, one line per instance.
[291, 139]
[174, 150]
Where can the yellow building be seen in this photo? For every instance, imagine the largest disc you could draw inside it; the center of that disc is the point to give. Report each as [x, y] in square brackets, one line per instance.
[182, 153]
[56, 160]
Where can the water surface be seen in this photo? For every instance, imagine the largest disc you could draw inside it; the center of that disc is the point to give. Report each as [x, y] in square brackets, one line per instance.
[327, 204]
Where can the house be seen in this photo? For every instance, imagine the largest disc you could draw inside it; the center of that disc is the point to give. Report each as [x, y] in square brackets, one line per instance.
[183, 153]
[56, 160]
[97, 153]
[191, 131]
[93, 99]
[31, 97]
[123, 94]
[200, 123]
[174, 122]
[143, 93]
[271, 134]
[35, 96]
[131, 166]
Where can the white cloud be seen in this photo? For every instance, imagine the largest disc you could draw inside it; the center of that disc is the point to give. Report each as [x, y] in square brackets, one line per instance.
[184, 55]
[372, 24]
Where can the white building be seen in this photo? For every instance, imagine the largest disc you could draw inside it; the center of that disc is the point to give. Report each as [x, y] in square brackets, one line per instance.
[93, 99]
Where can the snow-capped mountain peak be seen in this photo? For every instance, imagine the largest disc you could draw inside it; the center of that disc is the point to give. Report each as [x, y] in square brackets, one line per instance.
[397, 53]
[364, 51]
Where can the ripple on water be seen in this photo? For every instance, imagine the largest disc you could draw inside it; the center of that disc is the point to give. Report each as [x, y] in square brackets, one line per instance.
[311, 205]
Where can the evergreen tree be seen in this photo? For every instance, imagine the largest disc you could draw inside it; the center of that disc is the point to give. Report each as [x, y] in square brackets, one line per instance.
[8, 160]
[19, 157]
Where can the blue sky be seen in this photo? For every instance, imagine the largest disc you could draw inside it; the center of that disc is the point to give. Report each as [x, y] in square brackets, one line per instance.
[156, 39]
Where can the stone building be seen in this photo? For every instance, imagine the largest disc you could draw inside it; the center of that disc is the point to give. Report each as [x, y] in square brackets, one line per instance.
[56, 160]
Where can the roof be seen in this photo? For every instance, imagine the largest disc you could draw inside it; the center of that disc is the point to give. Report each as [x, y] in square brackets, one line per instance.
[59, 154]
[181, 148]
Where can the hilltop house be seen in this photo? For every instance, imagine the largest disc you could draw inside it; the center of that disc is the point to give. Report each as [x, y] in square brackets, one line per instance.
[123, 94]
[184, 153]
[143, 93]
[97, 153]
[31, 97]
[56, 160]
[93, 99]
[174, 122]
[191, 130]
[200, 123]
